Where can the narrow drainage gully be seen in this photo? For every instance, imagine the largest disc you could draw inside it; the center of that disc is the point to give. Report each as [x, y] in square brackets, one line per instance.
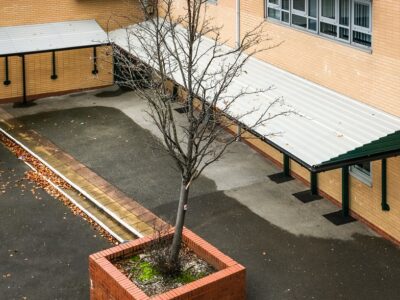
[58, 188]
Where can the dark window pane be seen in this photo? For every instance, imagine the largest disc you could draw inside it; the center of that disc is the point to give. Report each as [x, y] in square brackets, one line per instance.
[361, 14]
[299, 5]
[299, 21]
[285, 4]
[312, 24]
[328, 29]
[362, 38]
[274, 13]
[328, 8]
[312, 8]
[344, 12]
[364, 168]
[344, 33]
[273, 1]
[285, 17]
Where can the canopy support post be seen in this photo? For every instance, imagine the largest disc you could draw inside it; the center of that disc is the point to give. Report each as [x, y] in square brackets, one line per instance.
[7, 80]
[286, 165]
[314, 183]
[95, 71]
[239, 132]
[24, 100]
[53, 60]
[345, 191]
[384, 204]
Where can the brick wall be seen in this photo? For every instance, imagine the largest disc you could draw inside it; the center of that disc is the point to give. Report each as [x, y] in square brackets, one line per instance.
[107, 282]
[74, 71]
[373, 78]
[24, 12]
[73, 67]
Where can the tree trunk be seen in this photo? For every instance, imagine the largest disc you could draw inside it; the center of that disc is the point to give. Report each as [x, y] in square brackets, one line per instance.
[180, 221]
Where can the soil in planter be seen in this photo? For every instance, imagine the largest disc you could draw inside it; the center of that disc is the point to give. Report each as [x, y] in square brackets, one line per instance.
[143, 271]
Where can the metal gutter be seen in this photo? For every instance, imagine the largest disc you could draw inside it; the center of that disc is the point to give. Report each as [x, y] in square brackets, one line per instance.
[57, 49]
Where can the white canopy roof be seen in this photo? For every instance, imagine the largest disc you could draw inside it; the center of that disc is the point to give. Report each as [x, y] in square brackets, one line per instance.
[329, 124]
[50, 36]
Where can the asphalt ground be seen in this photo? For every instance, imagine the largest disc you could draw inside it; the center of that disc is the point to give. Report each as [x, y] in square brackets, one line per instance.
[282, 263]
[44, 248]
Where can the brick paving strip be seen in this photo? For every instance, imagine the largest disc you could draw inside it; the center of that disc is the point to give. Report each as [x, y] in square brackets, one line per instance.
[121, 214]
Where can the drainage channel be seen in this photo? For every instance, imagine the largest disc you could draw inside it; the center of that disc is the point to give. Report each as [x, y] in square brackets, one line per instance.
[103, 218]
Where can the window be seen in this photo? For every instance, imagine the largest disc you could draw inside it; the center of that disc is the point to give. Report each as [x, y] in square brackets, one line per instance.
[362, 172]
[348, 21]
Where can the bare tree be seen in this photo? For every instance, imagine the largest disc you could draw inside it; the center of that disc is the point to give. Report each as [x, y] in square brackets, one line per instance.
[187, 50]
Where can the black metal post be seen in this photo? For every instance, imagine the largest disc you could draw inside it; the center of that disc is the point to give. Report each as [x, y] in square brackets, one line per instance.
[345, 191]
[24, 100]
[384, 204]
[54, 74]
[95, 71]
[314, 183]
[175, 90]
[7, 81]
[286, 165]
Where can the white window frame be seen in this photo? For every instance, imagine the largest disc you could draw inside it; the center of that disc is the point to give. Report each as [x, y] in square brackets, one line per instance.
[288, 11]
[360, 28]
[358, 173]
[334, 22]
[274, 6]
[326, 19]
[299, 12]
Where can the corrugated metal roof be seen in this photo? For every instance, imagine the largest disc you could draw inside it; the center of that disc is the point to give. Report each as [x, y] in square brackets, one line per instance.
[327, 125]
[26, 39]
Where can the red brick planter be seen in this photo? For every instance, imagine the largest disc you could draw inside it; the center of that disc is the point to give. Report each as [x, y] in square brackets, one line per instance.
[107, 282]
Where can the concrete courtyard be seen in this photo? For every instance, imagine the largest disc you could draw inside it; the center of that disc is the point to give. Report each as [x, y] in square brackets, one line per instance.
[289, 249]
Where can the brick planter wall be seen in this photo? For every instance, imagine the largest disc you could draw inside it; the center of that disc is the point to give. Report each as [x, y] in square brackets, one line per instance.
[107, 282]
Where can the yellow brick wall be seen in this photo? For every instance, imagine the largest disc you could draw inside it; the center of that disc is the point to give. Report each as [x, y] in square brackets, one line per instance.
[74, 71]
[372, 77]
[24, 12]
[73, 67]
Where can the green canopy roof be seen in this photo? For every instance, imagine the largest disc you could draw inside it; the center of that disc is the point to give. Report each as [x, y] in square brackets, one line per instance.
[384, 147]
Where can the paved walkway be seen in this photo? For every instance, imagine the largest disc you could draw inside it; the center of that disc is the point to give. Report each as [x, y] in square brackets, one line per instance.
[44, 248]
[289, 249]
[106, 196]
